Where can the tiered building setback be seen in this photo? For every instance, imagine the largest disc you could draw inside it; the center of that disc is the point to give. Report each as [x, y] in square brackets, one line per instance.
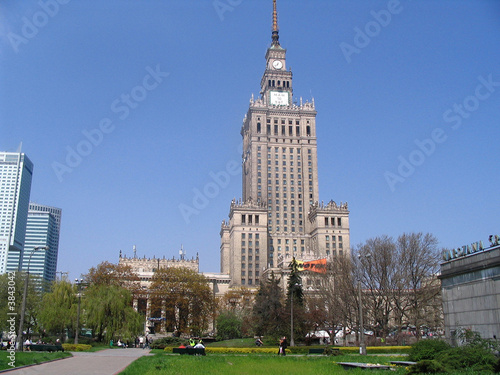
[280, 215]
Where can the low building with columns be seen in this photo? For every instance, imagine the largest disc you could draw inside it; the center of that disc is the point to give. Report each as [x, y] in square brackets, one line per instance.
[145, 268]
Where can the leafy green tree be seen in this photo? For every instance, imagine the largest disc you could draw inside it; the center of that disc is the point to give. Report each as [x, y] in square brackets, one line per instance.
[108, 312]
[182, 298]
[268, 312]
[58, 312]
[239, 301]
[228, 326]
[11, 290]
[107, 273]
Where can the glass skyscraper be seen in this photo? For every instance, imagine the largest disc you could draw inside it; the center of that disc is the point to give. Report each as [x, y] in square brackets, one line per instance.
[42, 230]
[16, 171]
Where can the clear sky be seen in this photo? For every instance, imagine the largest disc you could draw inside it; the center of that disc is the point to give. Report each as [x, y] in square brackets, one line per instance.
[129, 108]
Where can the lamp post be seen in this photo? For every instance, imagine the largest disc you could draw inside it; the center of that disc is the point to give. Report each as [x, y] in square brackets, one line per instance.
[25, 295]
[79, 294]
[362, 344]
[292, 342]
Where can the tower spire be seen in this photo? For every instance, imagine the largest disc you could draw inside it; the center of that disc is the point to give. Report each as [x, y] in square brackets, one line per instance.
[275, 34]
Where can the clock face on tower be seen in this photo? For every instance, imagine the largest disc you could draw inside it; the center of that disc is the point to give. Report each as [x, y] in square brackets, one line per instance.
[278, 98]
[277, 64]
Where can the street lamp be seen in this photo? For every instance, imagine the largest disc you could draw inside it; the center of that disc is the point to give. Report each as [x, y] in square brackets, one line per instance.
[79, 294]
[25, 294]
[362, 344]
[292, 342]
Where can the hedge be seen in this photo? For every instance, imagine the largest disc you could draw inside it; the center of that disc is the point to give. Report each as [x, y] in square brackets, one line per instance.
[220, 350]
[76, 347]
[301, 350]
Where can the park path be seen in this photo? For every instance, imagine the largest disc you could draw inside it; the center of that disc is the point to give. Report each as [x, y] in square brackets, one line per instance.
[104, 362]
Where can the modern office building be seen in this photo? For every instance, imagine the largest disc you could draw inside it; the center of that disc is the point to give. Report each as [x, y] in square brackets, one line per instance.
[280, 215]
[42, 230]
[16, 171]
[470, 282]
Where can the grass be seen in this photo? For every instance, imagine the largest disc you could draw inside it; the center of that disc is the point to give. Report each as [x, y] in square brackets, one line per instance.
[162, 364]
[29, 358]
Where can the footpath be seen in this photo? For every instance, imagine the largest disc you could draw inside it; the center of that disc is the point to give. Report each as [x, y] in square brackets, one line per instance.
[104, 362]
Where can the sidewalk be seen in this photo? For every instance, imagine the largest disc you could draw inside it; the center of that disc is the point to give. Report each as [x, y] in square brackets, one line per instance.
[104, 362]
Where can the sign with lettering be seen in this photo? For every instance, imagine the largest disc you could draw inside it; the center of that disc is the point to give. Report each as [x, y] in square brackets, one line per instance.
[469, 249]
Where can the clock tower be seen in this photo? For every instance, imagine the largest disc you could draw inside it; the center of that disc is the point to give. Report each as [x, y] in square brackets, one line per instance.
[279, 215]
[276, 83]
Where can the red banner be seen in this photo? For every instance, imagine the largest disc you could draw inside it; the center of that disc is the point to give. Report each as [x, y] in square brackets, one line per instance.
[313, 265]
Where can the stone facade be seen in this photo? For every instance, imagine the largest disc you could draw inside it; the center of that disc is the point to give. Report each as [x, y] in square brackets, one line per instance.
[279, 216]
[470, 281]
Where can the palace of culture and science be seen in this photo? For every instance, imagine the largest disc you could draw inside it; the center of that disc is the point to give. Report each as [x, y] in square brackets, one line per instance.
[279, 216]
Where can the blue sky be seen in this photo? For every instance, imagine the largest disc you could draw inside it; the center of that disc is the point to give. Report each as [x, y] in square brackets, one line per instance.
[128, 108]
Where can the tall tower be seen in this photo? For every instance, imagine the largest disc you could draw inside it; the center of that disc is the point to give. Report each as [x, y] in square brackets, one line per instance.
[43, 228]
[16, 171]
[280, 183]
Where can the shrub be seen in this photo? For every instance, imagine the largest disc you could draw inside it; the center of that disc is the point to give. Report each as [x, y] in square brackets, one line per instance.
[76, 347]
[427, 366]
[228, 326]
[427, 349]
[223, 350]
[475, 357]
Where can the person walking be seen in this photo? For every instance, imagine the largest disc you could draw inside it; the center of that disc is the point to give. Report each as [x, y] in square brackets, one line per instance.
[283, 346]
[146, 343]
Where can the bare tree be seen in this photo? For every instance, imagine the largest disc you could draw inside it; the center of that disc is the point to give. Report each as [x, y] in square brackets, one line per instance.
[334, 303]
[420, 289]
[377, 269]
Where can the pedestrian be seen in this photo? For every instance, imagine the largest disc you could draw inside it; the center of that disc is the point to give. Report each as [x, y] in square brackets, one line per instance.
[283, 346]
[146, 343]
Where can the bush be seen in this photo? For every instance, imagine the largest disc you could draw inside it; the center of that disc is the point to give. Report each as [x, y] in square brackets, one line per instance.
[228, 326]
[427, 366]
[76, 348]
[223, 350]
[427, 349]
[475, 357]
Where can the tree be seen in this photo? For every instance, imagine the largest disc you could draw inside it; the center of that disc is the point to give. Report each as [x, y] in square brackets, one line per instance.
[377, 263]
[114, 274]
[108, 312]
[295, 300]
[419, 260]
[182, 298]
[11, 290]
[228, 326]
[399, 281]
[335, 304]
[268, 312]
[239, 301]
[58, 312]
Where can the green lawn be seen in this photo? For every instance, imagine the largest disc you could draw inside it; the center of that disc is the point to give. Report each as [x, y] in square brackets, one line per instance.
[29, 358]
[165, 364]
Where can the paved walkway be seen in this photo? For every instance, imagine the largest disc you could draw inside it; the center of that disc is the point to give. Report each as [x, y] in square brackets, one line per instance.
[104, 362]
